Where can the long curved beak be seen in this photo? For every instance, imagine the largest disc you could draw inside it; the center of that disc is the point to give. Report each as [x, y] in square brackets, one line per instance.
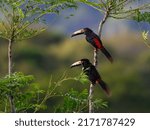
[78, 63]
[79, 32]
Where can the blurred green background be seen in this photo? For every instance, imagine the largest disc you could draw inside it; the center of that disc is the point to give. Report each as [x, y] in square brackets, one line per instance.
[51, 53]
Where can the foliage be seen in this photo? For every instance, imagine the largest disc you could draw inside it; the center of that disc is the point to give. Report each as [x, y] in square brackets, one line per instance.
[76, 102]
[142, 17]
[18, 16]
[29, 97]
[99, 104]
[16, 84]
[118, 9]
[83, 78]
[145, 35]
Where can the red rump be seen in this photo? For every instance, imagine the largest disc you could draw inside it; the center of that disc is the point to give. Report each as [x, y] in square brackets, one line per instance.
[98, 44]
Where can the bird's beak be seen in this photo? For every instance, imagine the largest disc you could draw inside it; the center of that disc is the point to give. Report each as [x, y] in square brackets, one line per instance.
[79, 32]
[78, 63]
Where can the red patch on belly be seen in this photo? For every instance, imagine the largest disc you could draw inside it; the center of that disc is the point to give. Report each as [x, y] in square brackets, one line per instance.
[98, 43]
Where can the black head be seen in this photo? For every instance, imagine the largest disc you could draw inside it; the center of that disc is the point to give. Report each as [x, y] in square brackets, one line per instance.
[84, 62]
[85, 31]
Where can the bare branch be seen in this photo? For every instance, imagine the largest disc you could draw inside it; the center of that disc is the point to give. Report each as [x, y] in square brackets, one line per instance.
[102, 22]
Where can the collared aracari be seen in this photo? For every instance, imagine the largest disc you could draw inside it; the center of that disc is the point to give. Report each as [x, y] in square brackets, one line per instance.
[94, 40]
[92, 74]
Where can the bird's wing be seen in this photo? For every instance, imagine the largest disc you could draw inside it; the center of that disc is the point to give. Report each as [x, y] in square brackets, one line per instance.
[93, 74]
[94, 40]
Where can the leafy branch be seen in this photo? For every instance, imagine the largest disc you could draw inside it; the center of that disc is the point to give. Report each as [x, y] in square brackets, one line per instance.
[17, 19]
[51, 91]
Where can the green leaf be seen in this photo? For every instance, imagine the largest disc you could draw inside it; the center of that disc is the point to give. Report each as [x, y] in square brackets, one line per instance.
[145, 35]
[99, 103]
[21, 14]
[83, 78]
[74, 101]
[142, 17]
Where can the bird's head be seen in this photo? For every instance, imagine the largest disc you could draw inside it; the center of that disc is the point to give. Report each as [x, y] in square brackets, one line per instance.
[84, 62]
[84, 31]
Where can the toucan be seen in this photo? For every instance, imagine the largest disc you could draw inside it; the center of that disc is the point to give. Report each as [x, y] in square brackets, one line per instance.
[94, 40]
[92, 74]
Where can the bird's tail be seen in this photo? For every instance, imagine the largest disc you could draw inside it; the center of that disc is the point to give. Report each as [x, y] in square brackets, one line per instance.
[104, 87]
[107, 54]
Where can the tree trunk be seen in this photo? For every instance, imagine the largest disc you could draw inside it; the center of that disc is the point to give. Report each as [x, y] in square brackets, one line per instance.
[11, 99]
[10, 57]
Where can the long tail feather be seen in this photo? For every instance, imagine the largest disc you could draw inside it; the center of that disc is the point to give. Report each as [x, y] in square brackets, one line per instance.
[104, 87]
[107, 54]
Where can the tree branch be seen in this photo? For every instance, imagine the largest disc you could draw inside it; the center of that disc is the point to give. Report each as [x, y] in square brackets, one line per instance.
[102, 22]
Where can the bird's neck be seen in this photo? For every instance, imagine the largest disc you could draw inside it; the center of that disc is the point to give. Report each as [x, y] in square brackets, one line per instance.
[86, 67]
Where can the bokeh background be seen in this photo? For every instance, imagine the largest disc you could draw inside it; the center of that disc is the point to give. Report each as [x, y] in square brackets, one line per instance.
[52, 52]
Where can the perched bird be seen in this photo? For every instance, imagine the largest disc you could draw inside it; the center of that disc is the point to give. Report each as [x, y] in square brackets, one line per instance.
[94, 40]
[92, 74]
